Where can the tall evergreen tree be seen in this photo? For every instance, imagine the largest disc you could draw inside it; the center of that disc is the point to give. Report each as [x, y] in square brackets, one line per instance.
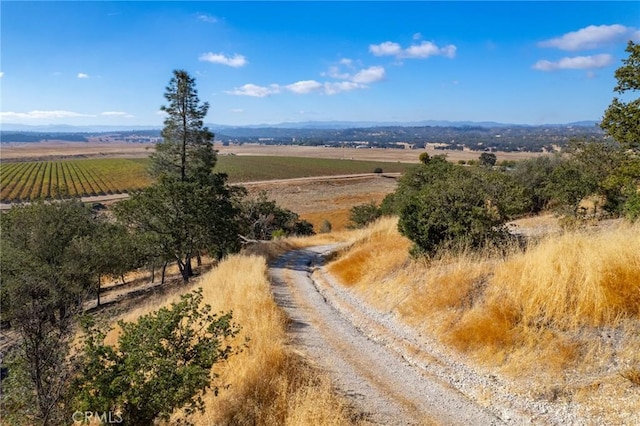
[189, 210]
[187, 147]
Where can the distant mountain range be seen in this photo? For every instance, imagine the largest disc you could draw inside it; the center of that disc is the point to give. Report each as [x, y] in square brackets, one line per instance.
[66, 128]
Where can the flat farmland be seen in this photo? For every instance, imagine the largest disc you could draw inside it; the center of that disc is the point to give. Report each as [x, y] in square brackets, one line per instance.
[387, 155]
[32, 180]
[249, 168]
[65, 150]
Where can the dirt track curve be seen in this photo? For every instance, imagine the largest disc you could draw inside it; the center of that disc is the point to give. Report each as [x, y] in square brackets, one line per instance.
[377, 379]
[390, 372]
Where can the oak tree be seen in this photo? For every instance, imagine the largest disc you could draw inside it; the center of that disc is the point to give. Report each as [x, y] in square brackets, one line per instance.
[622, 119]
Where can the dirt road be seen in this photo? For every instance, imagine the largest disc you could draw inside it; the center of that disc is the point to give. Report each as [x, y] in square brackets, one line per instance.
[378, 380]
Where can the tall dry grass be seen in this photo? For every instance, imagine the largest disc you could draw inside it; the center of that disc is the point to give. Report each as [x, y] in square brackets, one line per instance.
[267, 383]
[562, 314]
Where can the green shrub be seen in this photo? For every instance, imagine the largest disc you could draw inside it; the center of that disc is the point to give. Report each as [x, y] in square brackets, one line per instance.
[451, 212]
[162, 362]
[363, 214]
[631, 207]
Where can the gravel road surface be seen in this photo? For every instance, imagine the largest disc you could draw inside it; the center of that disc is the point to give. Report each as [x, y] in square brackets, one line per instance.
[378, 380]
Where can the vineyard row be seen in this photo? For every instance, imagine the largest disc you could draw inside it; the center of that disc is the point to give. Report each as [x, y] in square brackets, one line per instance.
[28, 181]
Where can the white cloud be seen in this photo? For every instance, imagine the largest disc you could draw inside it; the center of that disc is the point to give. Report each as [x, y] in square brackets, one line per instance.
[350, 81]
[421, 51]
[219, 58]
[237, 110]
[42, 114]
[591, 37]
[304, 86]
[576, 62]
[255, 90]
[117, 114]
[1, 74]
[331, 88]
[388, 48]
[207, 18]
[83, 75]
[417, 36]
[335, 72]
[369, 75]
[427, 48]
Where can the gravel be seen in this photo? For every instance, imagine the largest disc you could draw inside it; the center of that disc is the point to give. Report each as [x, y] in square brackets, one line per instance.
[371, 359]
[390, 372]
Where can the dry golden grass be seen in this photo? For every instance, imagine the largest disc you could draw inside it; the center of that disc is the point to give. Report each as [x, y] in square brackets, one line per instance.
[267, 383]
[575, 279]
[339, 219]
[380, 242]
[562, 318]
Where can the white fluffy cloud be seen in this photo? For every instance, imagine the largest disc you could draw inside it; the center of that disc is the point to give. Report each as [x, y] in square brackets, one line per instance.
[304, 86]
[83, 75]
[255, 90]
[388, 48]
[235, 61]
[1, 74]
[37, 114]
[332, 88]
[591, 37]
[576, 62]
[418, 51]
[349, 76]
[369, 75]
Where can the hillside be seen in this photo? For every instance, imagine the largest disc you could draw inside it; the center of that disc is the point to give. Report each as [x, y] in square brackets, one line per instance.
[555, 324]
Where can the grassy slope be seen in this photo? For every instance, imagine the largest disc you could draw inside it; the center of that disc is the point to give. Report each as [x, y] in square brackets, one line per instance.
[561, 319]
[267, 383]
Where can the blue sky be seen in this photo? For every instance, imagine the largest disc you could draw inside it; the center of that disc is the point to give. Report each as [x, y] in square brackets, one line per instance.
[85, 63]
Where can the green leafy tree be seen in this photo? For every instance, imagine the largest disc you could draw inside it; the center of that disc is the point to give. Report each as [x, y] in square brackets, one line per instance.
[569, 185]
[44, 279]
[112, 252]
[488, 159]
[413, 180]
[363, 214]
[508, 196]
[621, 120]
[262, 217]
[450, 212]
[162, 362]
[190, 210]
[183, 219]
[534, 175]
